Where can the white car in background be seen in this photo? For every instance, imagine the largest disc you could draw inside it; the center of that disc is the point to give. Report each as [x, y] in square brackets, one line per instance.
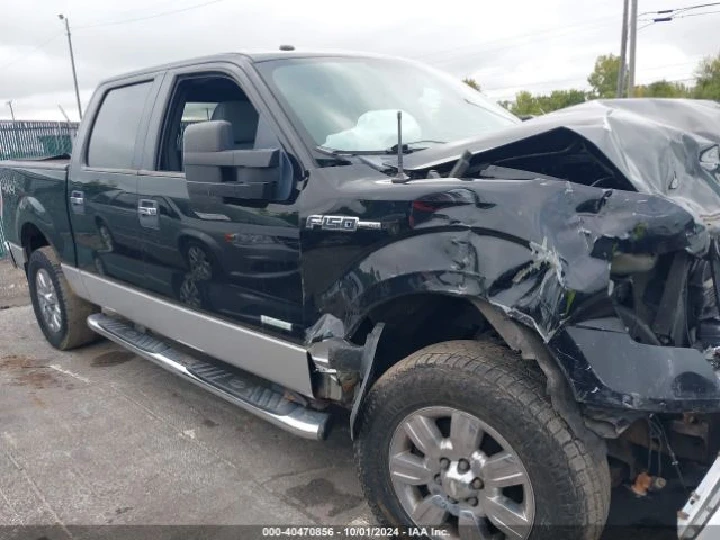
[700, 517]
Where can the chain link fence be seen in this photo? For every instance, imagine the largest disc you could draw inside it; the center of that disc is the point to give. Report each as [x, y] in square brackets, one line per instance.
[32, 140]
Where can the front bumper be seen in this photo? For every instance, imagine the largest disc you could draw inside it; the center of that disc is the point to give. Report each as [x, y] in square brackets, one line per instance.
[606, 368]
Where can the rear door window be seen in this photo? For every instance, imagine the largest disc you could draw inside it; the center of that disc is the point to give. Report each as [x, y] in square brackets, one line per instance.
[114, 134]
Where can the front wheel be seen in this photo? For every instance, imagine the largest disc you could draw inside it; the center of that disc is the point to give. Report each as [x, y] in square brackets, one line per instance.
[461, 437]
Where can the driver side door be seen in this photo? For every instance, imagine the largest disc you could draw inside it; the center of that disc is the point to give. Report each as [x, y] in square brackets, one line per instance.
[230, 258]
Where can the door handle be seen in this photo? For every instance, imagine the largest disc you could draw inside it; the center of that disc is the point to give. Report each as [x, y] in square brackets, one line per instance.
[77, 198]
[147, 207]
[147, 211]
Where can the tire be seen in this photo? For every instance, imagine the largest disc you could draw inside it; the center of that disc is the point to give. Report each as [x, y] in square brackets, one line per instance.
[71, 329]
[569, 484]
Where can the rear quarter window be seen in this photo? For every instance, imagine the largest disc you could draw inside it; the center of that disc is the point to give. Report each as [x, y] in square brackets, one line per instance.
[114, 133]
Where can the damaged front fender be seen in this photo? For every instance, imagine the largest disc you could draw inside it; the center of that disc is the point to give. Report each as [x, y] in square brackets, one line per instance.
[607, 214]
[544, 260]
[541, 250]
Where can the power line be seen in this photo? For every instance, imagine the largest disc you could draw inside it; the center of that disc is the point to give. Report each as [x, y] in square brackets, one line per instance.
[148, 17]
[28, 53]
[680, 9]
[680, 13]
[696, 14]
[134, 10]
[552, 31]
[653, 22]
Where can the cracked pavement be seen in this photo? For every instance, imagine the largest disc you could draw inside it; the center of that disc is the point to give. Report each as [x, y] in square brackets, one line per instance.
[99, 436]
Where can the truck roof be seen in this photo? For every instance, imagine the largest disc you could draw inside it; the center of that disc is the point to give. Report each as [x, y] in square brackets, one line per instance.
[252, 56]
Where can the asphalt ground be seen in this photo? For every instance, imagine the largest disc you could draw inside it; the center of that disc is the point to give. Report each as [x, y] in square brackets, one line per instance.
[98, 439]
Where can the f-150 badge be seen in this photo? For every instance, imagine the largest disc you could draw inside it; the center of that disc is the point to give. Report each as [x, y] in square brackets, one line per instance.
[340, 223]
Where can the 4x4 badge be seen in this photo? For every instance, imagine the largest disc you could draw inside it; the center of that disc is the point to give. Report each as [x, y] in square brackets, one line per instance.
[340, 223]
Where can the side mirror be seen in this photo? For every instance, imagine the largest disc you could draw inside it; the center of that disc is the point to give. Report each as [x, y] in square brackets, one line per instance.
[213, 167]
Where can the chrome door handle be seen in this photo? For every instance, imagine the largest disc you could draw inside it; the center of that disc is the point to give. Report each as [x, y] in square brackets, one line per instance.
[147, 207]
[77, 198]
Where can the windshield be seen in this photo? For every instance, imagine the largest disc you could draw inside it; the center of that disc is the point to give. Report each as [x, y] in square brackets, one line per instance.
[351, 104]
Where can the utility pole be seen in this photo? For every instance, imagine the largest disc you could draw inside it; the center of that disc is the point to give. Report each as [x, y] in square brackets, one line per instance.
[72, 62]
[623, 50]
[633, 45]
[12, 113]
[69, 130]
[14, 126]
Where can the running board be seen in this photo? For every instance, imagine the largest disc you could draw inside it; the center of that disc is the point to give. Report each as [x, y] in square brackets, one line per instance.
[247, 391]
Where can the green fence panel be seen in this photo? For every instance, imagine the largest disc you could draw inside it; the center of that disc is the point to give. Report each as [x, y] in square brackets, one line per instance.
[33, 140]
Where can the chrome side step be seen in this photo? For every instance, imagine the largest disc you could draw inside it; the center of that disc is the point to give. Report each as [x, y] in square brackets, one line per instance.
[247, 391]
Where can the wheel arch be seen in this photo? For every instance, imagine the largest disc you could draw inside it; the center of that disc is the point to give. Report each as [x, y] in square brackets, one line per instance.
[491, 323]
[32, 237]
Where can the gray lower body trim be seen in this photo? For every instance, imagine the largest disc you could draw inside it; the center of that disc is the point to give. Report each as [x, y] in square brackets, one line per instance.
[17, 254]
[275, 360]
[296, 419]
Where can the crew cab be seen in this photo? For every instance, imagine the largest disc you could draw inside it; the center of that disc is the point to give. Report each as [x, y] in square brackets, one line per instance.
[508, 310]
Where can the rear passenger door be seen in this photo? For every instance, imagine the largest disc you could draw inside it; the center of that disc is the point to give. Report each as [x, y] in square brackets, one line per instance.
[103, 181]
[231, 258]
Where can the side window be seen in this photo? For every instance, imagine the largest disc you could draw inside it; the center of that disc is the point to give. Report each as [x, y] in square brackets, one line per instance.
[194, 112]
[199, 99]
[112, 140]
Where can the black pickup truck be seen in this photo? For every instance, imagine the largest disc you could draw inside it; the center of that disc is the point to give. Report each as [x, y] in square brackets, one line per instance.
[503, 307]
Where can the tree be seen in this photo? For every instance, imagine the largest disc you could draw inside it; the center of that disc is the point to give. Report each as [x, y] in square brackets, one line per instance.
[559, 99]
[472, 83]
[707, 84]
[527, 104]
[603, 81]
[662, 89]
[604, 77]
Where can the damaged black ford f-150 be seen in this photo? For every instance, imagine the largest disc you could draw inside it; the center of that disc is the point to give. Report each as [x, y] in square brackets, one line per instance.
[511, 311]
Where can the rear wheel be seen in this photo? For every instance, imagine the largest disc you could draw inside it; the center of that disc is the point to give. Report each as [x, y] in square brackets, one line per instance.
[461, 437]
[60, 313]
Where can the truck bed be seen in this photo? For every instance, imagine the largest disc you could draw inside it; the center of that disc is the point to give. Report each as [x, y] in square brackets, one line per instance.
[34, 193]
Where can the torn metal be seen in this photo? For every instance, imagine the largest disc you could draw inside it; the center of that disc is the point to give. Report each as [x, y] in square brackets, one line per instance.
[591, 225]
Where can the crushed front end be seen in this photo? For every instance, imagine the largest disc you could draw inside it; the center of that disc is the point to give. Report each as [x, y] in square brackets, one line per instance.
[619, 206]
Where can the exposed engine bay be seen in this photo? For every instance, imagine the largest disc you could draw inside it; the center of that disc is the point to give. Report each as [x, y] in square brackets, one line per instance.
[661, 251]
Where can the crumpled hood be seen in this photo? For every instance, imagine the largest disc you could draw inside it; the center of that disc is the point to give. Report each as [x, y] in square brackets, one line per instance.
[665, 147]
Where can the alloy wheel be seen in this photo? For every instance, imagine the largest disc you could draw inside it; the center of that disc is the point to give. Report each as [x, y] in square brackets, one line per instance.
[48, 300]
[455, 473]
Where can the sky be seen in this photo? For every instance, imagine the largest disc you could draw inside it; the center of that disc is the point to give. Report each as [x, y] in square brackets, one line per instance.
[505, 45]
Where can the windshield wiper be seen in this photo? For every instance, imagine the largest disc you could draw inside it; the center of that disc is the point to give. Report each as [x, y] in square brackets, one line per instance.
[359, 155]
[409, 148]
